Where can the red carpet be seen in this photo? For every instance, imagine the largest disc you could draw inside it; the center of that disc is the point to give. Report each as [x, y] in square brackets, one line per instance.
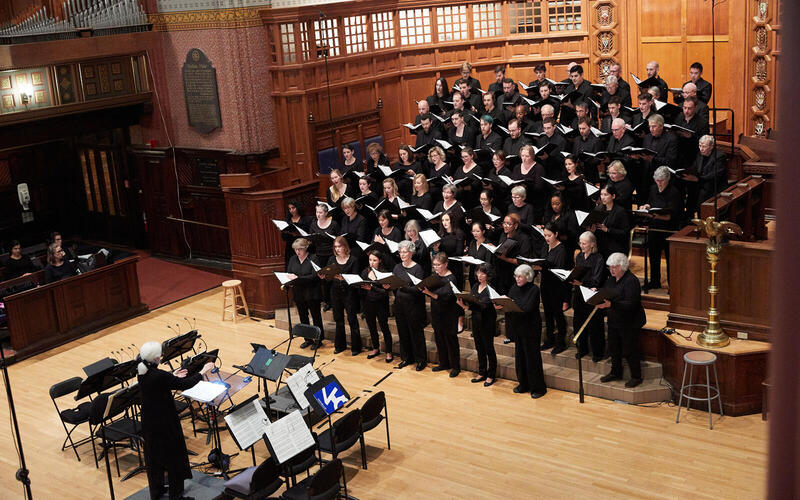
[162, 282]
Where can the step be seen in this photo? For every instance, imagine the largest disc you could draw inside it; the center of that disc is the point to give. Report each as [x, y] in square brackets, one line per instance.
[561, 371]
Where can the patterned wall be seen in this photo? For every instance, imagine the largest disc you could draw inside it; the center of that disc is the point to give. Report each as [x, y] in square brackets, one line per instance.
[13, 84]
[605, 37]
[764, 43]
[106, 78]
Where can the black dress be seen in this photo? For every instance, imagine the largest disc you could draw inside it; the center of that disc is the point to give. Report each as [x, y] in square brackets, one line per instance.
[409, 311]
[505, 270]
[617, 238]
[670, 200]
[444, 319]
[526, 327]
[469, 190]
[425, 201]
[479, 252]
[452, 244]
[164, 445]
[345, 298]
[536, 189]
[594, 333]
[554, 294]
[626, 317]
[306, 290]
[323, 251]
[484, 326]
[435, 186]
[290, 236]
[376, 313]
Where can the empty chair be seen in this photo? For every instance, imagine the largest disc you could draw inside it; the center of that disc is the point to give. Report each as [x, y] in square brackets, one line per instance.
[308, 332]
[323, 485]
[301, 462]
[371, 415]
[116, 431]
[72, 416]
[255, 482]
[342, 435]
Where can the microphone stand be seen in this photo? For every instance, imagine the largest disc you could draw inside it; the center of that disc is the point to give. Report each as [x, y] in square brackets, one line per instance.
[714, 104]
[22, 472]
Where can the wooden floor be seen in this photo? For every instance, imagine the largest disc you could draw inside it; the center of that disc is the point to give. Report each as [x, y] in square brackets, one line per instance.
[450, 438]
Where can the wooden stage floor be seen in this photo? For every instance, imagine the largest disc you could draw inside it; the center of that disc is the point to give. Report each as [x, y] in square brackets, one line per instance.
[450, 438]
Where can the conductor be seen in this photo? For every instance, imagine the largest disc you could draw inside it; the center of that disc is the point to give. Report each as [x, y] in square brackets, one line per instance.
[164, 446]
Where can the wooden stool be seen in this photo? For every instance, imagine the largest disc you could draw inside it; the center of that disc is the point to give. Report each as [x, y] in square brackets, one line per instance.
[704, 359]
[233, 291]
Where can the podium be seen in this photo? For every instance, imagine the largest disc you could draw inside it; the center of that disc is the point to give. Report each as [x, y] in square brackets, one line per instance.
[256, 244]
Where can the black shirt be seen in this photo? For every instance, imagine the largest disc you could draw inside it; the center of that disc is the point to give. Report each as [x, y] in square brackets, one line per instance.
[357, 227]
[56, 273]
[669, 199]
[306, 286]
[14, 268]
[512, 146]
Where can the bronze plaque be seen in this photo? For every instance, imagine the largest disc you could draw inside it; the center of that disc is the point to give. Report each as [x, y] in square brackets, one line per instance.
[200, 91]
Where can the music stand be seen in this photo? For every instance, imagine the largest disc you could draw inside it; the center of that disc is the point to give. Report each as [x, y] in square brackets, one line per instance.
[195, 363]
[248, 415]
[178, 346]
[327, 396]
[107, 378]
[267, 364]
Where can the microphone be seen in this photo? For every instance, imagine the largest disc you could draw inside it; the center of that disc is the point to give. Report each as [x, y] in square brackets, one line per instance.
[113, 353]
[133, 353]
[170, 327]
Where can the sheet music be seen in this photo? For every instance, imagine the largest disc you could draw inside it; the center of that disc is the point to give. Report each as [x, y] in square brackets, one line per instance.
[393, 246]
[427, 214]
[587, 293]
[299, 382]
[204, 391]
[454, 288]
[492, 293]
[590, 190]
[248, 424]
[380, 275]
[429, 236]
[283, 277]
[414, 280]
[402, 203]
[289, 436]
[561, 273]
[315, 267]
[489, 246]
[351, 279]
[281, 224]
[300, 230]
[363, 245]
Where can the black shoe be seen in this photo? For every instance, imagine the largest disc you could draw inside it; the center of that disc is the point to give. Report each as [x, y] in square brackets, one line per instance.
[610, 377]
[478, 379]
[389, 358]
[306, 343]
[337, 351]
[547, 345]
[537, 395]
[597, 359]
[356, 353]
[326, 307]
[519, 390]
[454, 373]
[558, 349]
[439, 368]
[507, 341]
[403, 364]
[633, 382]
[487, 383]
[370, 356]
[421, 366]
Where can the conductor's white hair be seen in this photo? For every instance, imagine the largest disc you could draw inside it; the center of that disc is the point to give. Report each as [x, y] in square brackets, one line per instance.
[618, 259]
[149, 352]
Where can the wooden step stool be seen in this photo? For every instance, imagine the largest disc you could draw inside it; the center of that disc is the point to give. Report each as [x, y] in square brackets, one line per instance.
[230, 300]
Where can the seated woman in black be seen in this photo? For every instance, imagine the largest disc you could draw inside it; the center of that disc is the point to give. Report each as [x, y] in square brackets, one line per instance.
[405, 161]
[507, 260]
[595, 277]
[323, 224]
[57, 266]
[444, 314]
[344, 297]
[421, 196]
[375, 300]
[476, 250]
[296, 217]
[409, 310]
[305, 286]
[349, 161]
[469, 189]
[555, 295]
[613, 234]
[526, 328]
[17, 264]
[484, 325]
[564, 220]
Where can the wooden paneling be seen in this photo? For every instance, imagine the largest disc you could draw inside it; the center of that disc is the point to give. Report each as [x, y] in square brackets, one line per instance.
[50, 315]
[660, 17]
[698, 18]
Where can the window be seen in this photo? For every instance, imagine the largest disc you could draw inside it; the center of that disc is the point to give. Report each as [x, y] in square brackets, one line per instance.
[415, 26]
[382, 30]
[326, 33]
[304, 42]
[487, 20]
[287, 43]
[564, 15]
[452, 23]
[355, 34]
[525, 17]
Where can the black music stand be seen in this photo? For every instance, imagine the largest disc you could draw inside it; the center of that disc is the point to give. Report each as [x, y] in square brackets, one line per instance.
[120, 402]
[236, 439]
[267, 364]
[178, 346]
[198, 361]
[107, 378]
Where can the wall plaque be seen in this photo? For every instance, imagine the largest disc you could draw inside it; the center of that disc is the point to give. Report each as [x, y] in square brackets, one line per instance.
[208, 172]
[200, 91]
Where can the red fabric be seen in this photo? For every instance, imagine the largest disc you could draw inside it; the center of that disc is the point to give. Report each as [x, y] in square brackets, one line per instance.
[162, 282]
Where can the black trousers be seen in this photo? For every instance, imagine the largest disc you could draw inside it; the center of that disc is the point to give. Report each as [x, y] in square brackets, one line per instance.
[554, 317]
[155, 480]
[594, 333]
[528, 361]
[322, 261]
[377, 313]
[410, 315]
[304, 307]
[657, 243]
[445, 334]
[341, 301]
[483, 328]
[624, 343]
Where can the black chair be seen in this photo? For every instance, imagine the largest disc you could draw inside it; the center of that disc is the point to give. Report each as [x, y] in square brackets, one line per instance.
[125, 428]
[255, 482]
[302, 462]
[371, 415]
[323, 485]
[73, 416]
[342, 435]
[308, 332]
